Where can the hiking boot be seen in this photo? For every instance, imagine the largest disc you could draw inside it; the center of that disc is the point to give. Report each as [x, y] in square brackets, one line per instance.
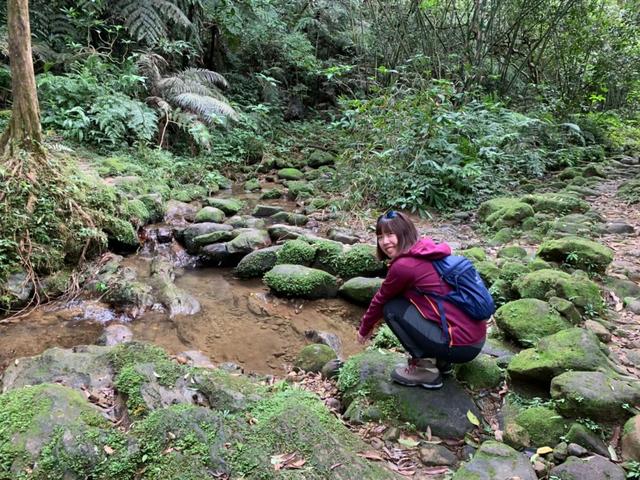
[418, 372]
[444, 367]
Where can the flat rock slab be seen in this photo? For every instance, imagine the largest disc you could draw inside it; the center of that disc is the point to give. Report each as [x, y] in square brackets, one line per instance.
[590, 468]
[497, 461]
[444, 410]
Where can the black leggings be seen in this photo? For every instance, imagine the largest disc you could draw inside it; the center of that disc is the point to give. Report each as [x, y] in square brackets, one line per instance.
[423, 338]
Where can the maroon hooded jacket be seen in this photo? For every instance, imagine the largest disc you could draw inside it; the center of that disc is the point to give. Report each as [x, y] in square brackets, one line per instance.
[413, 270]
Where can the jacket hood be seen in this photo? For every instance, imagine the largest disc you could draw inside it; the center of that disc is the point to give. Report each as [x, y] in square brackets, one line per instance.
[428, 249]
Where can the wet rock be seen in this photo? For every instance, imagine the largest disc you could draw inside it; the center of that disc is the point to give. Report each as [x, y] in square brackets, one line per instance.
[300, 281]
[214, 237]
[209, 214]
[217, 254]
[496, 461]
[189, 234]
[82, 367]
[266, 210]
[114, 334]
[19, 287]
[252, 185]
[248, 240]
[325, 338]
[529, 319]
[245, 221]
[360, 289]
[619, 228]
[594, 395]
[257, 263]
[436, 455]
[176, 300]
[164, 234]
[230, 206]
[178, 213]
[343, 236]
[572, 349]
[590, 468]
[271, 194]
[368, 391]
[313, 357]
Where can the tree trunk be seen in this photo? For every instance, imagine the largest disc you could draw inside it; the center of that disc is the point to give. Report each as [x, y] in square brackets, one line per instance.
[24, 130]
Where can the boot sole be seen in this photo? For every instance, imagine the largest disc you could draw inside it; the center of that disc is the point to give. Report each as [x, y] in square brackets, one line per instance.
[428, 386]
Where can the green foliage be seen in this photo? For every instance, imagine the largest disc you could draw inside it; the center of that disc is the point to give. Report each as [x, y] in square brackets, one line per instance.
[385, 338]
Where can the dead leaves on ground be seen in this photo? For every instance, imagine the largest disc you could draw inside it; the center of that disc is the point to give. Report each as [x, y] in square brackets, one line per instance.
[291, 461]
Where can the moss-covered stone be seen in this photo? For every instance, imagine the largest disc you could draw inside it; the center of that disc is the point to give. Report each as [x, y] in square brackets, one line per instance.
[496, 461]
[188, 193]
[155, 206]
[271, 194]
[209, 214]
[296, 252]
[290, 174]
[512, 251]
[136, 212]
[189, 234]
[300, 281]
[631, 439]
[257, 263]
[121, 232]
[296, 421]
[213, 237]
[328, 253]
[227, 392]
[630, 191]
[230, 206]
[556, 203]
[300, 190]
[358, 261]
[577, 252]
[594, 395]
[360, 289]
[475, 254]
[534, 426]
[546, 283]
[248, 240]
[313, 357]
[502, 236]
[489, 271]
[252, 185]
[504, 212]
[318, 158]
[538, 264]
[571, 349]
[481, 372]
[528, 319]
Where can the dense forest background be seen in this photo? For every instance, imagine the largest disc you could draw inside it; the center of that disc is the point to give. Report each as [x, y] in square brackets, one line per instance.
[426, 105]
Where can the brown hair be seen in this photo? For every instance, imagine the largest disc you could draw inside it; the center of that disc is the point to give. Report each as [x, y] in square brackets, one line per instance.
[399, 224]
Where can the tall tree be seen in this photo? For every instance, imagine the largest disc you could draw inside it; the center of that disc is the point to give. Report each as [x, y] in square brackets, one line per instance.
[24, 130]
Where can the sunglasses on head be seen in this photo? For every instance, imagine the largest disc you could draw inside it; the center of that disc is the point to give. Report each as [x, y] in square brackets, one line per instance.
[390, 214]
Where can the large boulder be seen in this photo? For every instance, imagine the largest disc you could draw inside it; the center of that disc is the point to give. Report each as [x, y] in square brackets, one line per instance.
[230, 206]
[369, 394]
[496, 461]
[595, 395]
[589, 468]
[209, 214]
[529, 319]
[359, 261]
[556, 203]
[257, 263]
[504, 212]
[296, 252]
[578, 252]
[290, 174]
[546, 283]
[300, 281]
[360, 290]
[248, 240]
[481, 372]
[189, 234]
[571, 349]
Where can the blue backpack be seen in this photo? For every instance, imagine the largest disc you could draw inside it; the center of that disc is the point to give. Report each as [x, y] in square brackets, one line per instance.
[469, 293]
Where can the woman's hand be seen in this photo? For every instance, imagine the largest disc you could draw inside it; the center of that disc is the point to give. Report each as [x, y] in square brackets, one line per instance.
[362, 339]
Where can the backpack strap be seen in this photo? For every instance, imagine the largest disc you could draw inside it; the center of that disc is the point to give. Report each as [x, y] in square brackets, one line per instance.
[439, 311]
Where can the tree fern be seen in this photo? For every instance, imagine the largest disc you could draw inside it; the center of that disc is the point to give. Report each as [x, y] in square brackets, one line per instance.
[208, 108]
[147, 20]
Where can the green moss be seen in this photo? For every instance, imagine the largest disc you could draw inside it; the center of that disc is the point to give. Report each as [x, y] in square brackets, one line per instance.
[290, 174]
[299, 281]
[121, 231]
[209, 214]
[556, 203]
[300, 190]
[538, 264]
[358, 261]
[188, 193]
[527, 320]
[313, 357]
[252, 185]
[155, 206]
[385, 338]
[271, 194]
[327, 254]
[512, 251]
[257, 263]
[481, 372]
[630, 191]
[296, 252]
[475, 254]
[230, 206]
[544, 426]
[577, 252]
[504, 212]
[489, 271]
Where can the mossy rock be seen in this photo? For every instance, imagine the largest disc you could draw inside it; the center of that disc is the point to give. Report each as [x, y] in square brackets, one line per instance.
[630, 191]
[595, 395]
[209, 214]
[360, 290]
[496, 461]
[252, 185]
[271, 194]
[188, 193]
[155, 206]
[504, 235]
[623, 288]
[511, 271]
[481, 372]
[512, 251]
[534, 426]
[257, 263]
[385, 338]
[189, 234]
[359, 261]
[296, 252]
[573, 224]
[300, 190]
[529, 319]
[266, 210]
[214, 237]
[570, 349]
[369, 394]
[230, 206]
[51, 431]
[136, 212]
[577, 252]
[296, 421]
[631, 439]
[546, 283]
[313, 357]
[475, 254]
[556, 203]
[489, 271]
[248, 240]
[318, 158]
[225, 391]
[290, 174]
[121, 233]
[328, 253]
[300, 281]
[504, 212]
[538, 264]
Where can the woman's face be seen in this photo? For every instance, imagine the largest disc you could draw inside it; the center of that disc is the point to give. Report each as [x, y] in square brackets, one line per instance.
[388, 243]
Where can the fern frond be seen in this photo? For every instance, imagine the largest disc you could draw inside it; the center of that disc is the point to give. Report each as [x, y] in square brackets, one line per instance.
[205, 76]
[142, 20]
[172, 12]
[174, 85]
[210, 109]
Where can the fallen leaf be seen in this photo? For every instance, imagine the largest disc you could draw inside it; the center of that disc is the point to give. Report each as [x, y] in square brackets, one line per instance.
[108, 450]
[335, 465]
[612, 453]
[436, 470]
[544, 450]
[408, 442]
[371, 455]
[472, 418]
